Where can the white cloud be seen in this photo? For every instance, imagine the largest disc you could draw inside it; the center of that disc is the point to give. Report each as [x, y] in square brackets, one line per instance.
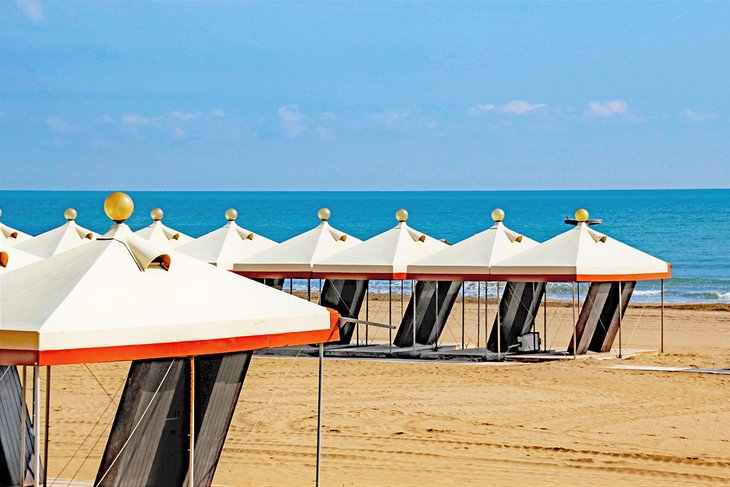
[31, 9]
[323, 132]
[292, 120]
[179, 133]
[135, 119]
[694, 116]
[518, 107]
[514, 107]
[184, 116]
[59, 125]
[218, 112]
[607, 108]
[389, 118]
[328, 116]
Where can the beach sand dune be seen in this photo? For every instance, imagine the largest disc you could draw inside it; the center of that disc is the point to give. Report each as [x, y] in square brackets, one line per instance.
[431, 423]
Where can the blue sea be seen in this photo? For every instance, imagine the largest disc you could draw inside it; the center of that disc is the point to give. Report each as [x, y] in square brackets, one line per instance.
[689, 228]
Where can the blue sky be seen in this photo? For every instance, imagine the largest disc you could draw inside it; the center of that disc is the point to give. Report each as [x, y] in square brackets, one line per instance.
[367, 95]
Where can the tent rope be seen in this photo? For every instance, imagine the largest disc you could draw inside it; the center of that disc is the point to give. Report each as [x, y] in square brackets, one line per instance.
[4, 373]
[144, 413]
[83, 442]
[263, 411]
[100, 385]
[641, 314]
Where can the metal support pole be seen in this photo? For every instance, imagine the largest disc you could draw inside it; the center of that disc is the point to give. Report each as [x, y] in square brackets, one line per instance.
[620, 306]
[48, 417]
[479, 312]
[499, 326]
[309, 289]
[390, 315]
[415, 312]
[575, 344]
[192, 422]
[463, 311]
[436, 342]
[23, 407]
[402, 302]
[36, 426]
[486, 318]
[291, 285]
[367, 312]
[319, 413]
[661, 349]
[544, 321]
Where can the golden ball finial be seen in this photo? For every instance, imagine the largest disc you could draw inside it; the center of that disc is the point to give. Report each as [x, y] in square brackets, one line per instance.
[497, 214]
[156, 214]
[581, 215]
[401, 215]
[1, 212]
[231, 214]
[118, 206]
[70, 214]
[324, 214]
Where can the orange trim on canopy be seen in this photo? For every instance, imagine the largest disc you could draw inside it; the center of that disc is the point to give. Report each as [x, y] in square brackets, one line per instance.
[172, 349]
[581, 277]
[372, 276]
[427, 276]
[273, 274]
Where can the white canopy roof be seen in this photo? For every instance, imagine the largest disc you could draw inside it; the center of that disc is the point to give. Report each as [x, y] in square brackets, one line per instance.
[14, 236]
[227, 245]
[472, 258]
[385, 256]
[160, 234]
[13, 258]
[296, 256]
[60, 239]
[581, 254]
[121, 298]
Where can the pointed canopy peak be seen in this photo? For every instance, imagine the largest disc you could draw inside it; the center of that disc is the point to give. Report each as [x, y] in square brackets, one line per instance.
[497, 215]
[118, 206]
[70, 214]
[156, 214]
[401, 215]
[324, 214]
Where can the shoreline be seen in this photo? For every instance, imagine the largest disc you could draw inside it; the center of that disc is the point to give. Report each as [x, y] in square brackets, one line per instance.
[558, 303]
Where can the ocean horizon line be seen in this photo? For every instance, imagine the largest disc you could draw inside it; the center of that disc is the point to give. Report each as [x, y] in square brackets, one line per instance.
[362, 190]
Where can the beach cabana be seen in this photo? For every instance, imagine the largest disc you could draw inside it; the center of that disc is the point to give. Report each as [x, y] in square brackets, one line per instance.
[14, 236]
[383, 257]
[227, 245]
[583, 254]
[60, 239]
[160, 234]
[294, 258]
[472, 260]
[188, 327]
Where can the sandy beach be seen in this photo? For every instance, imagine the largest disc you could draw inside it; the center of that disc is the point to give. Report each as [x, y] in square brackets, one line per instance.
[430, 423]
